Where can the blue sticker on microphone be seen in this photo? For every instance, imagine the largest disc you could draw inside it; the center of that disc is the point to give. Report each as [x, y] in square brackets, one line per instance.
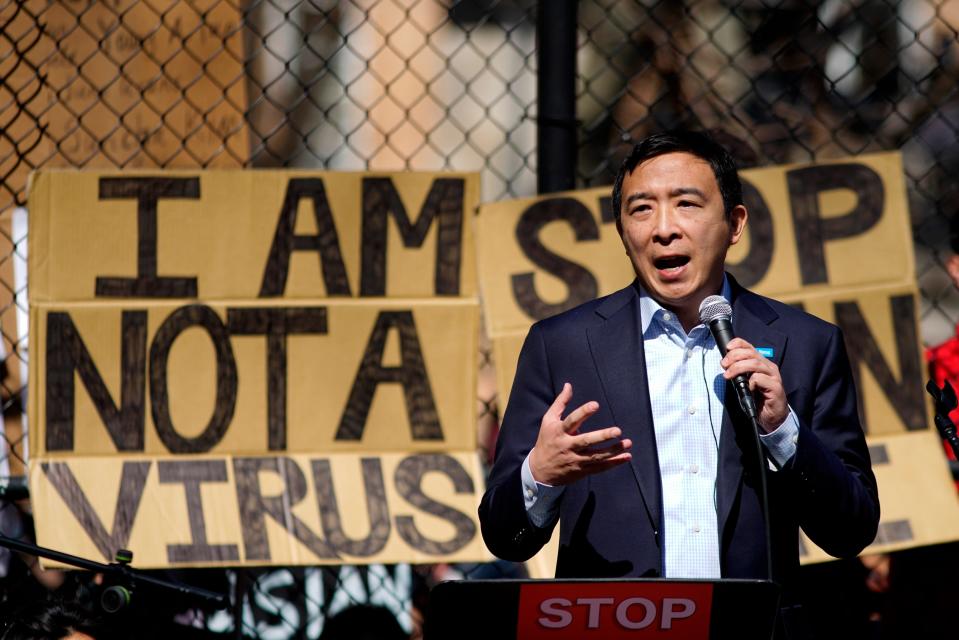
[766, 352]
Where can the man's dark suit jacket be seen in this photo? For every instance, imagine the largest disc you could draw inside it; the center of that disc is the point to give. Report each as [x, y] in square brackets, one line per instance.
[611, 522]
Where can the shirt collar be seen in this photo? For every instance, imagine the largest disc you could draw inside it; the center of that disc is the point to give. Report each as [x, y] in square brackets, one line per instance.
[648, 307]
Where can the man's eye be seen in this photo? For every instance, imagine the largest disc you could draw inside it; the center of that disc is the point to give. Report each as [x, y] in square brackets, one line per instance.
[688, 203]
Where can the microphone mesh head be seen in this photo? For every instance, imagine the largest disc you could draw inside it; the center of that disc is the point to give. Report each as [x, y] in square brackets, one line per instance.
[714, 308]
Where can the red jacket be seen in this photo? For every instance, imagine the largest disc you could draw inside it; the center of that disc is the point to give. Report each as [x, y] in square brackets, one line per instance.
[943, 361]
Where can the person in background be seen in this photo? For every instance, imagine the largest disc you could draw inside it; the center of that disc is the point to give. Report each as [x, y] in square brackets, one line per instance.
[53, 619]
[943, 359]
[920, 586]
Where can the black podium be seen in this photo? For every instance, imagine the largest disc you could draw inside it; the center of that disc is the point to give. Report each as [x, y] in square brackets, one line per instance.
[603, 609]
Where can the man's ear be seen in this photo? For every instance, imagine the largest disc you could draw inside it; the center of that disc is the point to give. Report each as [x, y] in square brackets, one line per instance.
[737, 223]
[952, 268]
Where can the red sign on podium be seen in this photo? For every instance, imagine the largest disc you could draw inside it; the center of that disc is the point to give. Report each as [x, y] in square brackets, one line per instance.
[557, 611]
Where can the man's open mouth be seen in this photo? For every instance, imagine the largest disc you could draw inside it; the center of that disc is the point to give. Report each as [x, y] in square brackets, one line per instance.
[670, 263]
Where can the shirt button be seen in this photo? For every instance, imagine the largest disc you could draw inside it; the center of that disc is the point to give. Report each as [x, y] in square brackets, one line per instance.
[667, 317]
[529, 493]
[695, 528]
[694, 468]
[692, 409]
[689, 352]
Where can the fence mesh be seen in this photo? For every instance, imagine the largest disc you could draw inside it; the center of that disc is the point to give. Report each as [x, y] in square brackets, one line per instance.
[432, 85]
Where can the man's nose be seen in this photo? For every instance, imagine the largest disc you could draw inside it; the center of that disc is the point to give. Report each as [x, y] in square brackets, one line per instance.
[666, 227]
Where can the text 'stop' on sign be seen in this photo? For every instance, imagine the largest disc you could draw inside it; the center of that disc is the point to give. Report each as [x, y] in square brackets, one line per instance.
[812, 228]
[251, 234]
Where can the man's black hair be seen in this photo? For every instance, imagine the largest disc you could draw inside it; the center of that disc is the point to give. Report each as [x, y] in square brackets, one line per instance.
[51, 619]
[695, 143]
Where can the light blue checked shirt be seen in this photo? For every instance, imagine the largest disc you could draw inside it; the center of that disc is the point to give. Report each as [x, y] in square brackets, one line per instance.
[686, 390]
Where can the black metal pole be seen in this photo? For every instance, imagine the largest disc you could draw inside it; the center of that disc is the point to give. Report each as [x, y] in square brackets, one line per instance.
[556, 97]
[116, 568]
[240, 588]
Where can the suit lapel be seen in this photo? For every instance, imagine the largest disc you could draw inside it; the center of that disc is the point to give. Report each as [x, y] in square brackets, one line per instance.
[617, 350]
[751, 321]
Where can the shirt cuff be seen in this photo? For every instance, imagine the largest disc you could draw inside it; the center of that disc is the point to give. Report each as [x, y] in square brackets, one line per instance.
[542, 500]
[781, 443]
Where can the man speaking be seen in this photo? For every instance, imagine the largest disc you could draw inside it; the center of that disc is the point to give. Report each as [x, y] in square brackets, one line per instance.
[623, 424]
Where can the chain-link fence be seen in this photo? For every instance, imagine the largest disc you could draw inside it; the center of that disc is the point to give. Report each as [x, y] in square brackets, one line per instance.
[432, 85]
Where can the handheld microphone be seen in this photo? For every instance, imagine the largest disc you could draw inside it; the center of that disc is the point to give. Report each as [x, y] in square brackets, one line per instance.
[715, 312]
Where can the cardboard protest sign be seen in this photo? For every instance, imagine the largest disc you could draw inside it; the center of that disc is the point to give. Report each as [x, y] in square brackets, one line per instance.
[251, 234]
[247, 378]
[287, 317]
[912, 473]
[271, 509]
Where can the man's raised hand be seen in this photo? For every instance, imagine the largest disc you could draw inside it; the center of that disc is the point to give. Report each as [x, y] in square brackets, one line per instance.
[563, 455]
